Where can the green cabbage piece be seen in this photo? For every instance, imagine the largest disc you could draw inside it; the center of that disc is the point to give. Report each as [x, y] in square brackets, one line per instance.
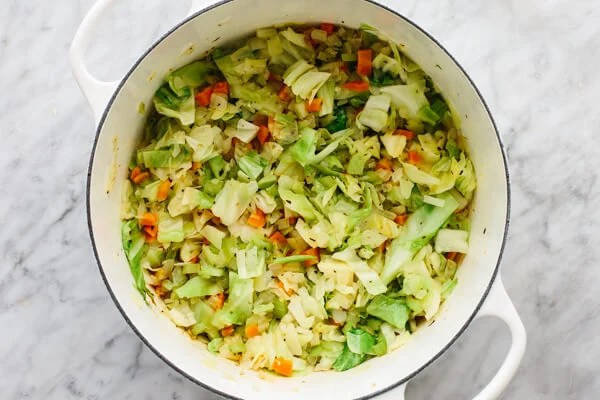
[238, 306]
[451, 240]
[252, 165]
[170, 104]
[375, 113]
[420, 227]
[408, 99]
[198, 287]
[260, 98]
[368, 277]
[134, 244]
[424, 294]
[233, 199]
[189, 76]
[169, 229]
[165, 158]
[293, 196]
[347, 360]
[304, 79]
[250, 262]
[186, 200]
[360, 341]
[393, 311]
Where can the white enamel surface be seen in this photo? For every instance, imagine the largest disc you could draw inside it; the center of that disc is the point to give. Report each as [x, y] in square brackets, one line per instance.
[238, 18]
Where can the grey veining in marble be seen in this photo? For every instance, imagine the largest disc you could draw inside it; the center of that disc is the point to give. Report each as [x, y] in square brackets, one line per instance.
[535, 61]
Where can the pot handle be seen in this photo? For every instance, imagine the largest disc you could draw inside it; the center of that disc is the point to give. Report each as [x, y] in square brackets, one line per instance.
[497, 304]
[97, 92]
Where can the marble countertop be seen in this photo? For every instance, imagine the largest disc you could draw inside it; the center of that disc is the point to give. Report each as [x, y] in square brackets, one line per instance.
[536, 63]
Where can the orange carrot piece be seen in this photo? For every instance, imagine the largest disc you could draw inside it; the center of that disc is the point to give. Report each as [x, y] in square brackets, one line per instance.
[148, 219]
[141, 177]
[227, 331]
[151, 232]
[384, 163]
[284, 93]
[314, 106]
[356, 86]
[451, 255]
[312, 251]
[401, 219]
[364, 65]
[413, 157]
[278, 239]
[203, 96]
[163, 190]
[134, 173]
[221, 87]
[257, 219]
[262, 134]
[410, 135]
[216, 301]
[196, 165]
[252, 330]
[328, 27]
[282, 366]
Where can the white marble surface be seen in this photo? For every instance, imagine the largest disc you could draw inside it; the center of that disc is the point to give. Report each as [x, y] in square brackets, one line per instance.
[536, 63]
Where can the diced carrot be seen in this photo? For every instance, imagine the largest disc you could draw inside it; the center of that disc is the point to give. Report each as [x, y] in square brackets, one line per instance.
[148, 219]
[134, 173]
[263, 134]
[282, 366]
[163, 190]
[314, 106]
[278, 239]
[413, 157]
[328, 27]
[252, 330]
[203, 96]
[401, 219]
[194, 259]
[196, 165]
[227, 331]
[312, 251]
[260, 119]
[216, 301]
[451, 255]
[273, 78]
[406, 133]
[221, 87]
[384, 163]
[284, 93]
[292, 220]
[363, 64]
[151, 232]
[141, 177]
[357, 86]
[257, 219]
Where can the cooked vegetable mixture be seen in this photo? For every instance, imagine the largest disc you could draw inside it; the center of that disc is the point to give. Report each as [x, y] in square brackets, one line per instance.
[299, 199]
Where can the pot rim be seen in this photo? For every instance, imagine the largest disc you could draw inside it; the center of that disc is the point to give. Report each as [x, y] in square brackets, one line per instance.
[167, 360]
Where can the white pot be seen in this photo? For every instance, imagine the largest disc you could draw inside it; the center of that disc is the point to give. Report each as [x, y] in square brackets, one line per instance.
[479, 291]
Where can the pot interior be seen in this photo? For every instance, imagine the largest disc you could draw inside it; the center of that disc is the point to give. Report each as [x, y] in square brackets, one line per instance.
[120, 130]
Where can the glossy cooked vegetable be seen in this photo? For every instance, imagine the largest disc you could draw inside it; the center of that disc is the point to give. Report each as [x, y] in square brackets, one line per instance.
[299, 199]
